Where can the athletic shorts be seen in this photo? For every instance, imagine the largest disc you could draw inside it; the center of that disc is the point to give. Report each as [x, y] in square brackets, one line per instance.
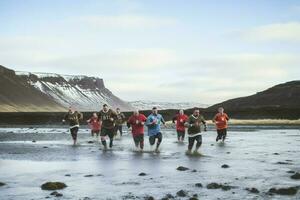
[153, 137]
[138, 139]
[197, 138]
[118, 128]
[180, 133]
[107, 132]
[74, 132]
[222, 132]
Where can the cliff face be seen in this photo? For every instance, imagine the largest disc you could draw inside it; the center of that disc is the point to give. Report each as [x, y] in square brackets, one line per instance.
[26, 91]
[17, 95]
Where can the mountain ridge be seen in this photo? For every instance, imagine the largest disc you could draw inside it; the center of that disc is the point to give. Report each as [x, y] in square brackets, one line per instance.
[57, 91]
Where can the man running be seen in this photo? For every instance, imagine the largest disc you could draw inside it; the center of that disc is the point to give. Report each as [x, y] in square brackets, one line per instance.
[180, 119]
[94, 124]
[221, 121]
[107, 118]
[194, 130]
[136, 122]
[153, 123]
[119, 122]
[73, 117]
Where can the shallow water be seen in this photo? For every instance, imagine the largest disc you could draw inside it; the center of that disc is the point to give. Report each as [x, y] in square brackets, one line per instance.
[26, 165]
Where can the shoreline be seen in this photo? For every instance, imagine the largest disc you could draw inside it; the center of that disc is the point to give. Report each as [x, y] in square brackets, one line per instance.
[262, 122]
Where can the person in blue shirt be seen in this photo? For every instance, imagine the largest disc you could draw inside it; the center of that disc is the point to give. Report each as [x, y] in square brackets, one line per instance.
[153, 123]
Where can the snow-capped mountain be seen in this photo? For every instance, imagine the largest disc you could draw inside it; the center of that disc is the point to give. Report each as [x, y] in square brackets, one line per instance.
[147, 105]
[83, 92]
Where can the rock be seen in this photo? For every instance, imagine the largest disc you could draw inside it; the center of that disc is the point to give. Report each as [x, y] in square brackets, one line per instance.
[90, 142]
[54, 193]
[53, 186]
[252, 190]
[129, 183]
[283, 163]
[291, 172]
[296, 176]
[181, 168]
[142, 174]
[67, 174]
[149, 198]
[45, 147]
[2, 184]
[194, 170]
[199, 185]
[276, 154]
[213, 186]
[219, 186]
[129, 196]
[59, 195]
[284, 191]
[181, 193]
[226, 187]
[225, 166]
[168, 196]
[33, 141]
[89, 175]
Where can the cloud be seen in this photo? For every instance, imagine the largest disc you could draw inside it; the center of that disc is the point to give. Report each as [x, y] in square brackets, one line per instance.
[154, 73]
[217, 78]
[242, 65]
[50, 54]
[117, 61]
[126, 21]
[287, 32]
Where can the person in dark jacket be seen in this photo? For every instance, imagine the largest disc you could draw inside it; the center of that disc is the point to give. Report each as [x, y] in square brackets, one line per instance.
[194, 130]
[119, 122]
[107, 117]
[73, 117]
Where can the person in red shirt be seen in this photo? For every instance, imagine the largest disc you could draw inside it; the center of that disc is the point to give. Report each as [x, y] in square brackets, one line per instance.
[221, 121]
[180, 120]
[136, 122]
[94, 124]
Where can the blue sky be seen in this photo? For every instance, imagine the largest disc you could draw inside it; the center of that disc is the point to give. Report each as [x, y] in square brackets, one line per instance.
[199, 51]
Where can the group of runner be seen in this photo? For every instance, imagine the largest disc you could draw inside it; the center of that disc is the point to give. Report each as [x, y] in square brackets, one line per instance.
[107, 123]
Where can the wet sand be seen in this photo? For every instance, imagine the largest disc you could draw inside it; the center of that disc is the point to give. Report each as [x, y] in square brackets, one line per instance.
[257, 157]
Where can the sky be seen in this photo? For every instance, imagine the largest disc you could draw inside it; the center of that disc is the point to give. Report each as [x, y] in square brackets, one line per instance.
[171, 50]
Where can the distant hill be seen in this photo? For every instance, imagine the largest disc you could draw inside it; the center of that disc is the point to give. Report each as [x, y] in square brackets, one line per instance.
[286, 95]
[280, 101]
[42, 92]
